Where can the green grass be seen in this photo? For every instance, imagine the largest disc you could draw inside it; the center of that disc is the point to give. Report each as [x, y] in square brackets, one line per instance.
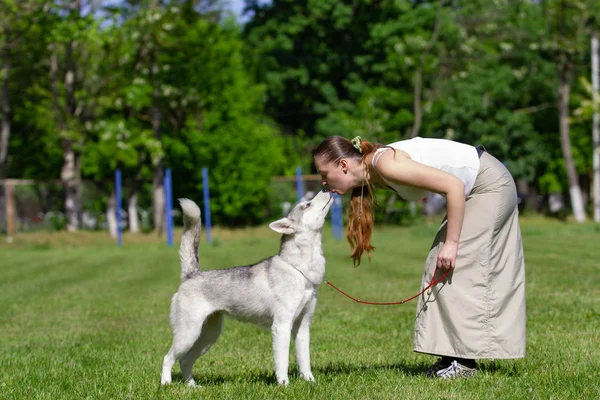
[91, 321]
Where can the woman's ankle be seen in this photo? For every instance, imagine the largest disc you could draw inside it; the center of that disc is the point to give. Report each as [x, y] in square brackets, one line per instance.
[467, 362]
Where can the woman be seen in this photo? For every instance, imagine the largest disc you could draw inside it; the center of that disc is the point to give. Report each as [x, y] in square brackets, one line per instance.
[478, 310]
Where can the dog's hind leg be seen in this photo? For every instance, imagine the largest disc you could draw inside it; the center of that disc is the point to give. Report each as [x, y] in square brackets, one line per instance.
[301, 334]
[185, 334]
[210, 333]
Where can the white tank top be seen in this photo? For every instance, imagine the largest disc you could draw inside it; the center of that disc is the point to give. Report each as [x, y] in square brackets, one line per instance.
[458, 159]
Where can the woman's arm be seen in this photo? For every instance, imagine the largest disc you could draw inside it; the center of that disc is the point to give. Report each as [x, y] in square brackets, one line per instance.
[402, 170]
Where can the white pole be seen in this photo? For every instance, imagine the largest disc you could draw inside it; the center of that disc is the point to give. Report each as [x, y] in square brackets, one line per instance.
[596, 128]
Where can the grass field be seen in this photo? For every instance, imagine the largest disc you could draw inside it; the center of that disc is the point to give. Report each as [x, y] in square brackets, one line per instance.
[81, 318]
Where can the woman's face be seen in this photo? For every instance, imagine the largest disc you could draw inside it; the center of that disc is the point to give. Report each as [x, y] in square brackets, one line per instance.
[335, 175]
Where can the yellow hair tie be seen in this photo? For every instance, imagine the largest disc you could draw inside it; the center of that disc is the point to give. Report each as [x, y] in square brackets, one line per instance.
[356, 143]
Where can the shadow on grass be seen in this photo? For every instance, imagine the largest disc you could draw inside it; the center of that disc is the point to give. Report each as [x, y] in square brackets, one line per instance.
[268, 378]
[347, 369]
[415, 369]
[218, 380]
[502, 367]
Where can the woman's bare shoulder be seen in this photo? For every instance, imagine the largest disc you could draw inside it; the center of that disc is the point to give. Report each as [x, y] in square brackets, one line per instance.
[386, 155]
[385, 163]
[389, 158]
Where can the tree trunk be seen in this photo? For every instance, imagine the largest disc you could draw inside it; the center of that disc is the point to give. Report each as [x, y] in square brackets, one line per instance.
[134, 223]
[5, 109]
[414, 132]
[5, 105]
[111, 214]
[70, 172]
[132, 208]
[564, 89]
[71, 169]
[70, 176]
[596, 128]
[158, 198]
[11, 228]
[418, 90]
[158, 190]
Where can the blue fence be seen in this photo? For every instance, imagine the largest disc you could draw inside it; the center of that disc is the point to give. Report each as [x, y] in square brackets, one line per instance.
[336, 217]
[168, 187]
[207, 223]
[336, 208]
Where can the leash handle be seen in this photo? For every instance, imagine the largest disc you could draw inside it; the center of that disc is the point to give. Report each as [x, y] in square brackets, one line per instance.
[393, 303]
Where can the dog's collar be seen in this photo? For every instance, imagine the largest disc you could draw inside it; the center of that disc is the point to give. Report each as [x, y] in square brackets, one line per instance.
[305, 277]
[302, 273]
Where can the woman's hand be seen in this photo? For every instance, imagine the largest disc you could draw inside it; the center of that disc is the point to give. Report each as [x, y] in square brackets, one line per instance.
[447, 256]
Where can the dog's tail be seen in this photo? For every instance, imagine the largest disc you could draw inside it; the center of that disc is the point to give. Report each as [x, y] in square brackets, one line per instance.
[188, 250]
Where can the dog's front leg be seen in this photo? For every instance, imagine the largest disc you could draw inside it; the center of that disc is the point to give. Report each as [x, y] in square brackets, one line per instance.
[281, 331]
[302, 341]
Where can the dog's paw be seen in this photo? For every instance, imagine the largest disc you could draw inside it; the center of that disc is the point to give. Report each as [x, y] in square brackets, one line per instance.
[283, 381]
[308, 377]
[191, 382]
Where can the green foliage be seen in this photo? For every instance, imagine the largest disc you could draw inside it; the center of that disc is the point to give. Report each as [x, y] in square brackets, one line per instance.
[358, 66]
[252, 103]
[312, 57]
[33, 150]
[58, 222]
[589, 102]
[241, 166]
[488, 75]
[224, 130]
[479, 109]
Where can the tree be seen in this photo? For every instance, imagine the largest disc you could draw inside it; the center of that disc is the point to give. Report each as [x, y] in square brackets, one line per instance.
[150, 32]
[76, 85]
[567, 24]
[15, 22]
[306, 55]
[346, 68]
[189, 71]
[135, 118]
[224, 128]
[589, 108]
[497, 83]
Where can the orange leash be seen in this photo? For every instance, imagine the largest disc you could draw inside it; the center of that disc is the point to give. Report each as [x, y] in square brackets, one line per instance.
[392, 303]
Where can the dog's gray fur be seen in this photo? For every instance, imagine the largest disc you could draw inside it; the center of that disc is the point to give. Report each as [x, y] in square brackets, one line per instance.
[279, 292]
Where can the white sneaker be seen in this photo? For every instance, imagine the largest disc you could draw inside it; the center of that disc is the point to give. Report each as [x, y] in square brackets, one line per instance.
[456, 370]
[439, 365]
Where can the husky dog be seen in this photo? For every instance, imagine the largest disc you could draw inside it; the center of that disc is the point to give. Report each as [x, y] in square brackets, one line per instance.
[279, 292]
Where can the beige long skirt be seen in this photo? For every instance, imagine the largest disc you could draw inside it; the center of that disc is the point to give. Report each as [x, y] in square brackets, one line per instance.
[478, 311]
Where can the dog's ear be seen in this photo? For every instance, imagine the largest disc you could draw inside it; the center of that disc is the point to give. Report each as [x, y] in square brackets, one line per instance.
[284, 226]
